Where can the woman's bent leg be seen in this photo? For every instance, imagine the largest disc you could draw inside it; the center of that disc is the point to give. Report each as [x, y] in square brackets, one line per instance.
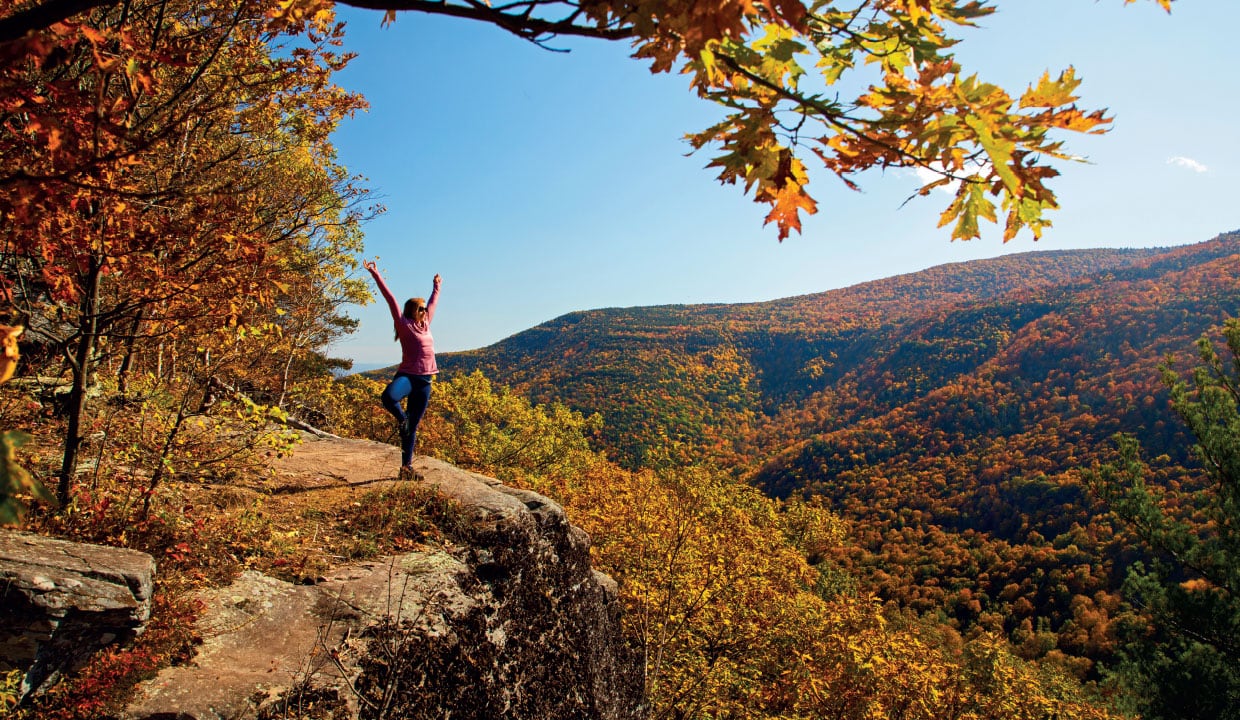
[393, 394]
[396, 391]
[419, 398]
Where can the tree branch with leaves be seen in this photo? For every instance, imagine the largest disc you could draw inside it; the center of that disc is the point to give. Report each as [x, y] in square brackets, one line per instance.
[776, 66]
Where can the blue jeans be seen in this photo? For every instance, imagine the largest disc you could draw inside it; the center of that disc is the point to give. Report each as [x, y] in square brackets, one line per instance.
[418, 389]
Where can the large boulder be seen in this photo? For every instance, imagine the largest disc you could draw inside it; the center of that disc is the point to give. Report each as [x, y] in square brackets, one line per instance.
[509, 621]
[62, 601]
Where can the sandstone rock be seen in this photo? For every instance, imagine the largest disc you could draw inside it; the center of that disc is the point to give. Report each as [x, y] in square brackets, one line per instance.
[510, 621]
[62, 601]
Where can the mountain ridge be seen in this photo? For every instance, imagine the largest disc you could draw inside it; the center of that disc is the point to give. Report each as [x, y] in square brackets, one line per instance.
[752, 359]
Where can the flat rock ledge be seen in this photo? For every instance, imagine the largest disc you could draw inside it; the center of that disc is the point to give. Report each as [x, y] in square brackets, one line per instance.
[62, 601]
[512, 622]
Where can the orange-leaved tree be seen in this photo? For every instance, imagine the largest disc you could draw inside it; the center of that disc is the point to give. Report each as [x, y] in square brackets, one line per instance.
[780, 68]
[159, 164]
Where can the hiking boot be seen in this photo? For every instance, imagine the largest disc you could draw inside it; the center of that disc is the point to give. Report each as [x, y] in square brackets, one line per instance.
[406, 431]
[406, 473]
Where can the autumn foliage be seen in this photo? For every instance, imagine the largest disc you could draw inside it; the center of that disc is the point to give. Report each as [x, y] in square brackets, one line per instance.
[730, 595]
[945, 416]
[166, 173]
[861, 505]
[1179, 655]
[177, 240]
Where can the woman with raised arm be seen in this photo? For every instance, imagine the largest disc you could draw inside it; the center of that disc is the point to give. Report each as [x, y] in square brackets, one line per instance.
[417, 364]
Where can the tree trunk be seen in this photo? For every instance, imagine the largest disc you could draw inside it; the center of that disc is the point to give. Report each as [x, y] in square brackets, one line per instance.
[122, 375]
[288, 369]
[158, 474]
[80, 363]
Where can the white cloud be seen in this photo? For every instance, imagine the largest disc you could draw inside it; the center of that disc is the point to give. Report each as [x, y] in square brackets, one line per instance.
[1187, 162]
[926, 176]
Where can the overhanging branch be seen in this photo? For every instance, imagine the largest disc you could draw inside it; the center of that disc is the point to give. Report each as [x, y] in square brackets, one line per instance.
[516, 18]
[43, 15]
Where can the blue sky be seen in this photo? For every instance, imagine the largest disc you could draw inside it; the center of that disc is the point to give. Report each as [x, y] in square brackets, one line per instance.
[540, 183]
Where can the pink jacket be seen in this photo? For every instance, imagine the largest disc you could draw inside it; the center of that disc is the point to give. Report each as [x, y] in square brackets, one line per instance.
[417, 347]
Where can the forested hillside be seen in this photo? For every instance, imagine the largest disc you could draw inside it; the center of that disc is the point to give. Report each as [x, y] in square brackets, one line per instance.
[697, 374]
[946, 415]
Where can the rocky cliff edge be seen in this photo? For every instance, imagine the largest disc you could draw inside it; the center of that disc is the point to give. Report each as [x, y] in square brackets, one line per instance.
[508, 621]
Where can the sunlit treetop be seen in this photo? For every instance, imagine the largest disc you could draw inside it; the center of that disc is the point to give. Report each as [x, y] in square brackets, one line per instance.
[779, 68]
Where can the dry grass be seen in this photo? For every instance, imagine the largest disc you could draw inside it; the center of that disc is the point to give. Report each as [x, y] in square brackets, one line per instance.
[331, 502]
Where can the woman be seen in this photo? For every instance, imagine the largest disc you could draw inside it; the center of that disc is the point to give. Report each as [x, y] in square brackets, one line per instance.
[417, 365]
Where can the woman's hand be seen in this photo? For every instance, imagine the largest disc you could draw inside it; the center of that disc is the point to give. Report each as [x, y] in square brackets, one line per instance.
[371, 266]
[437, 281]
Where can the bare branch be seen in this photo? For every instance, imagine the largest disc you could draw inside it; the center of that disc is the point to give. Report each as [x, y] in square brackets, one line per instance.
[517, 17]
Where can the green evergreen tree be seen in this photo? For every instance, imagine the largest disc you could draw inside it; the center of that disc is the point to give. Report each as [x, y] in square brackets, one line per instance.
[1185, 661]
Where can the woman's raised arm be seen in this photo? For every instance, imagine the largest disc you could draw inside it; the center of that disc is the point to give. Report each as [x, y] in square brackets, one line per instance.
[383, 288]
[434, 299]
